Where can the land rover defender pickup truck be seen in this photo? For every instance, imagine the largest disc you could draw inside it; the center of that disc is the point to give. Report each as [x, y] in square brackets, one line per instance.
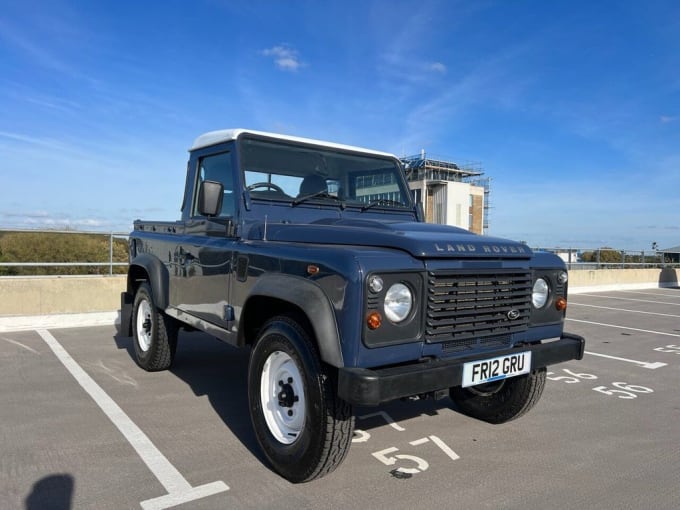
[314, 256]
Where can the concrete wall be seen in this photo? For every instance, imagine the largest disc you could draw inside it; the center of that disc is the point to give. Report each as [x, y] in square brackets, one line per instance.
[60, 295]
[620, 279]
[91, 294]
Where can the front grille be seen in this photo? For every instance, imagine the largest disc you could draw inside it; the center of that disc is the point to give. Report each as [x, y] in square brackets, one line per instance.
[465, 308]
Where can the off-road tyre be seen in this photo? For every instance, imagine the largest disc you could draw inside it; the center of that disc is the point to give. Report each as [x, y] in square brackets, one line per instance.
[154, 333]
[501, 401]
[303, 427]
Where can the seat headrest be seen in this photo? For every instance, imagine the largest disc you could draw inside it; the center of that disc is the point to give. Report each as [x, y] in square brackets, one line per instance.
[312, 184]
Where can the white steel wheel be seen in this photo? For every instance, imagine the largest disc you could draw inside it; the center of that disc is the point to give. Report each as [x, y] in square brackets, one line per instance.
[154, 332]
[302, 426]
[282, 397]
[144, 324]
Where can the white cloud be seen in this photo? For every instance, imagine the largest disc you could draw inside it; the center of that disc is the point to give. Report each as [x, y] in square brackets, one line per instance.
[47, 143]
[285, 57]
[437, 67]
[666, 119]
[43, 220]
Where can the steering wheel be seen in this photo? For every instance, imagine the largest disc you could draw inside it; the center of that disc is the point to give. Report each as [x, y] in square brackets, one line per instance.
[263, 184]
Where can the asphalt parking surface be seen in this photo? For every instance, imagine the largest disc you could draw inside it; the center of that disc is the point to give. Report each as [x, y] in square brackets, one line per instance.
[606, 433]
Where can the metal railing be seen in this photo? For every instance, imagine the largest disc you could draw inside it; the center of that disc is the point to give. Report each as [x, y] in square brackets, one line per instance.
[104, 258]
[575, 258]
[610, 258]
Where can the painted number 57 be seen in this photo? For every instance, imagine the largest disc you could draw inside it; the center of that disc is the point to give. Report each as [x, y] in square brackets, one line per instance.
[384, 457]
[413, 464]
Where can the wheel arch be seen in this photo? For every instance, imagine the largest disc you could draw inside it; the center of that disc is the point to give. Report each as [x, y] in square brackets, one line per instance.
[146, 267]
[277, 294]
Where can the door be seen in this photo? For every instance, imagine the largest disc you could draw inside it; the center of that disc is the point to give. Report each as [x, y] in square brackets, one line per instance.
[202, 282]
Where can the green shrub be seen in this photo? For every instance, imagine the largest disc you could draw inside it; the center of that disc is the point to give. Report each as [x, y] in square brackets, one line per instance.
[60, 247]
[607, 256]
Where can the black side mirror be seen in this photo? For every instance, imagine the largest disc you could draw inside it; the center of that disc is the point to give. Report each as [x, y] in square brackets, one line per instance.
[210, 195]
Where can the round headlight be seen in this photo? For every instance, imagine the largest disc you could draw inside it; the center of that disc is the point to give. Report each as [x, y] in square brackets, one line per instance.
[539, 294]
[398, 302]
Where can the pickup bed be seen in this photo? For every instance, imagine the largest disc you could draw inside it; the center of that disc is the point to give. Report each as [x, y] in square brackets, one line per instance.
[314, 256]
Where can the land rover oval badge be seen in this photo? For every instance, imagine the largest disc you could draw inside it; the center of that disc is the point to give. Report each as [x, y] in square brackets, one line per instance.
[513, 315]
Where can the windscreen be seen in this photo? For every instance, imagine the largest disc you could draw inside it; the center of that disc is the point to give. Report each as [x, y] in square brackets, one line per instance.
[289, 172]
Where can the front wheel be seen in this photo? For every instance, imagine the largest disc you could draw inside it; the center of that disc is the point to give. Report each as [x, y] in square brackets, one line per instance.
[303, 427]
[500, 401]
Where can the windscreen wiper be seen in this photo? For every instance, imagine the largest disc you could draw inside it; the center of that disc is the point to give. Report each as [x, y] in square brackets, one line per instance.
[319, 194]
[381, 201]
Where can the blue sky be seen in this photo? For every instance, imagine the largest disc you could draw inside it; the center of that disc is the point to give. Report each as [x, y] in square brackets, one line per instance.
[572, 108]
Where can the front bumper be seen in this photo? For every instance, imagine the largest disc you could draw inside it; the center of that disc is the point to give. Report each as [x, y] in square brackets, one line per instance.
[362, 386]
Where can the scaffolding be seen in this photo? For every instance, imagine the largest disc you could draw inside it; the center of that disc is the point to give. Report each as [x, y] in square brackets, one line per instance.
[422, 167]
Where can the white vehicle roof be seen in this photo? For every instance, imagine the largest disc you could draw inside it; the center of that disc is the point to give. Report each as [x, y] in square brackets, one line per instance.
[226, 135]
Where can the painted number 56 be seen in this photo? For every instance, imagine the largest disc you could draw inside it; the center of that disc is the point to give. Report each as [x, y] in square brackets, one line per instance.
[673, 349]
[624, 390]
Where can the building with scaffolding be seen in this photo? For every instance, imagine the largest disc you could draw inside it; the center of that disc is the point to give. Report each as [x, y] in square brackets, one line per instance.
[451, 193]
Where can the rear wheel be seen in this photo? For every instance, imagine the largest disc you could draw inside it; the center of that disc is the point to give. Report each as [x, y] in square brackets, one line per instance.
[154, 333]
[501, 401]
[303, 427]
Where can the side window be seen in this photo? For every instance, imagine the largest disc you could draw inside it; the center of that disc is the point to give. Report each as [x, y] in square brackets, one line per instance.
[218, 167]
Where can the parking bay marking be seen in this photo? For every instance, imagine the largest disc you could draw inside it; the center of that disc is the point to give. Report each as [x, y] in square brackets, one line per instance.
[624, 310]
[386, 417]
[657, 294]
[631, 299]
[625, 327]
[179, 489]
[643, 364]
[19, 344]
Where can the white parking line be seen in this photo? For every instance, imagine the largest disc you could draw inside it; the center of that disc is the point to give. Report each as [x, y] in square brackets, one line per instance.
[631, 299]
[623, 310]
[643, 364]
[19, 344]
[179, 490]
[657, 294]
[385, 417]
[625, 327]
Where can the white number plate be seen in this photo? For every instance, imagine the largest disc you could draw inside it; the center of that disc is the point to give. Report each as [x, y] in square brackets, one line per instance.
[495, 369]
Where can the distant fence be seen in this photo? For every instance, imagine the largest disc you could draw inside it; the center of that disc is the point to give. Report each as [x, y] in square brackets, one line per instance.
[72, 252]
[62, 252]
[610, 258]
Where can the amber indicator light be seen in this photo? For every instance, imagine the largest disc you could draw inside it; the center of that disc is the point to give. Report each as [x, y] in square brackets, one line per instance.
[312, 269]
[561, 304]
[374, 320]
